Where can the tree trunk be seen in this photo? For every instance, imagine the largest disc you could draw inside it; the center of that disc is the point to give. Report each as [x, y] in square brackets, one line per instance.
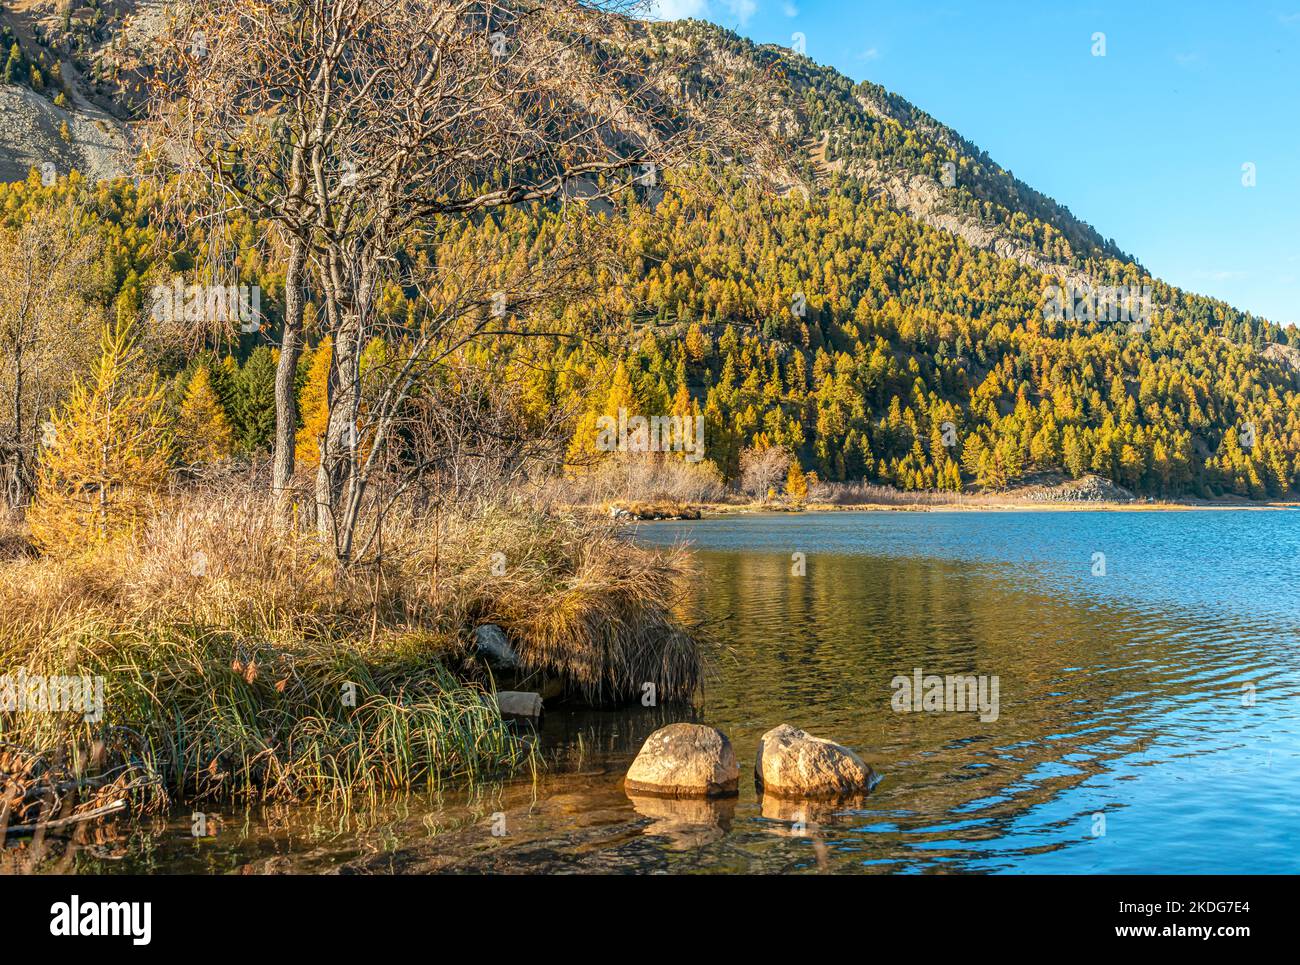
[337, 480]
[286, 373]
[337, 471]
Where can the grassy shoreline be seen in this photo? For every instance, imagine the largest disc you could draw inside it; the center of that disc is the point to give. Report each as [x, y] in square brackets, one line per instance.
[1086, 494]
[698, 511]
[236, 661]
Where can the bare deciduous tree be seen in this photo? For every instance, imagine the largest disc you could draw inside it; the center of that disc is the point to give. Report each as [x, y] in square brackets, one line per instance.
[428, 416]
[47, 333]
[359, 126]
[762, 469]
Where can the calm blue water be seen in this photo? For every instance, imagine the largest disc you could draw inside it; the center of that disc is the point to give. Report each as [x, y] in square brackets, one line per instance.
[1127, 738]
[1124, 740]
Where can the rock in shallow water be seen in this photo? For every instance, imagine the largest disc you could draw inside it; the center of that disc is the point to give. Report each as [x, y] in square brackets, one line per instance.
[519, 705]
[793, 763]
[684, 760]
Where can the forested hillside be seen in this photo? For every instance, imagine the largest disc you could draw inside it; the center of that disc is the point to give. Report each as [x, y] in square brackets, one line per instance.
[824, 317]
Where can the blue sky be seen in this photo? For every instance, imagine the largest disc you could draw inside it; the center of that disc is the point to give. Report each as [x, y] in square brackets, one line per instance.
[1146, 143]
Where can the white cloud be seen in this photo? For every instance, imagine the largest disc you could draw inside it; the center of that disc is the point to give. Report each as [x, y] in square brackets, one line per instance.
[742, 10]
[734, 11]
[789, 9]
[871, 53]
[678, 9]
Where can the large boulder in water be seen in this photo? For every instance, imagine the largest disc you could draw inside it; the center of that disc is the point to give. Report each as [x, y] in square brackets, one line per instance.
[793, 763]
[684, 760]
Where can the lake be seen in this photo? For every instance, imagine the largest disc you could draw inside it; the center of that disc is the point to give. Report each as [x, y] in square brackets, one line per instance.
[1147, 720]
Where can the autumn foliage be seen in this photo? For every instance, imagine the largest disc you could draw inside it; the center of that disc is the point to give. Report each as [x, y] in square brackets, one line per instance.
[107, 457]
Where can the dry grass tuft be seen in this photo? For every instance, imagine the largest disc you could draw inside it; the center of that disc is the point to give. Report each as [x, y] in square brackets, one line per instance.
[228, 644]
[578, 602]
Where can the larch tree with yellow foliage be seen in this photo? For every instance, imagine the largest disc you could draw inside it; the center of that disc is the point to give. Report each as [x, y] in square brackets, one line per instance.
[583, 448]
[203, 432]
[686, 410]
[796, 483]
[697, 344]
[313, 404]
[622, 394]
[107, 455]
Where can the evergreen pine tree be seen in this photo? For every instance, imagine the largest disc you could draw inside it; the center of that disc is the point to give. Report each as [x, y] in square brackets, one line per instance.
[255, 400]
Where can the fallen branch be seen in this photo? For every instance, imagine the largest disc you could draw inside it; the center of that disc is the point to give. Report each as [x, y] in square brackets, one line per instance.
[64, 822]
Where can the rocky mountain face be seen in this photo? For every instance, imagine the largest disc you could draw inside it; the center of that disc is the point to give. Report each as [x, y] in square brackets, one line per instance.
[70, 96]
[75, 98]
[34, 133]
[861, 136]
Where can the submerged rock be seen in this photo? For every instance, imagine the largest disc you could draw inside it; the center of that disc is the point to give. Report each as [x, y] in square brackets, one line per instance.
[519, 705]
[492, 647]
[793, 763]
[684, 760]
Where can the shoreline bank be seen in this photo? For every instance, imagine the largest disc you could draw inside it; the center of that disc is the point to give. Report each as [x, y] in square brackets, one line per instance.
[229, 657]
[664, 511]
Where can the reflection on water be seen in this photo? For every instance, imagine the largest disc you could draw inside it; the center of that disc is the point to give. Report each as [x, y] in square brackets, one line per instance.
[1149, 719]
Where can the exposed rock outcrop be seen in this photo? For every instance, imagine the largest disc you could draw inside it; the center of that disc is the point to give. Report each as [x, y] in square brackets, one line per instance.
[97, 144]
[1087, 489]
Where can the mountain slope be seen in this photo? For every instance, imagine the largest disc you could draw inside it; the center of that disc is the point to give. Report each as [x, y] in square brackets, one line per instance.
[835, 131]
[893, 147]
[78, 84]
[869, 317]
